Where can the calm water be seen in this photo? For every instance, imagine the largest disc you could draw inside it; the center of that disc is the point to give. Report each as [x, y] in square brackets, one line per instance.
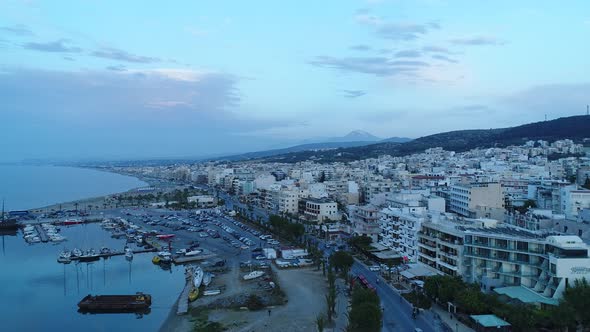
[38, 294]
[28, 187]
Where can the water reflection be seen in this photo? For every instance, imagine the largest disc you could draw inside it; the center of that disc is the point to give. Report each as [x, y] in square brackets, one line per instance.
[50, 291]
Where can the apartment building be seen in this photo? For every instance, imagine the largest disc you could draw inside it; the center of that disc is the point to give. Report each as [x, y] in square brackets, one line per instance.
[440, 246]
[399, 230]
[319, 209]
[478, 200]
[365, 220]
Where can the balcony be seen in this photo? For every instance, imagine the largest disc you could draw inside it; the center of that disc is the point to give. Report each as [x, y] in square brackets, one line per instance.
[431, 247]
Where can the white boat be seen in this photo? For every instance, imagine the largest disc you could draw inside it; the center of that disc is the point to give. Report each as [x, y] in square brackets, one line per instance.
[64, 257]
[197, 276]
[57, 238]
[165, 257]
[29, 228]
[212, 292]
[253, 275]
[128, 254]
[76, 252]
[207, 279]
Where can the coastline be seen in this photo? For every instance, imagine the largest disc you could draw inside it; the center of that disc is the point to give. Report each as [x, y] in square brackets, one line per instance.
[96, 201]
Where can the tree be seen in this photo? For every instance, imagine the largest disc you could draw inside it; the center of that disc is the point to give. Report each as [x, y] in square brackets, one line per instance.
[362, 241]
[341, 261]
[320, 322]
[577, 299]
[365, 313]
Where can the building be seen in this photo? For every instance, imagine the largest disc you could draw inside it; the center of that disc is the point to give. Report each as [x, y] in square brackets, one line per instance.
[399, 231]
[440, 246]
[478, 200]
[319, 209]
[365, 220]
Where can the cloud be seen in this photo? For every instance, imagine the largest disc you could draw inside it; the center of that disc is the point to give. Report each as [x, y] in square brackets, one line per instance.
[120, 55]
[367, 19]
[18, 29]
[58, 46]
[353, 93]
[477, 41]
[469, 110]
[444, 58]
[436, 49]
[117, 68]
[360, 47]
[69, 58]
[405, 31]
[129, 114]
[408, 54]
[378, 66]
[552, 99]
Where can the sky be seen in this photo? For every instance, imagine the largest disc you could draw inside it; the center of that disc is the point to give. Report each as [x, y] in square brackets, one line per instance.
[138, 79]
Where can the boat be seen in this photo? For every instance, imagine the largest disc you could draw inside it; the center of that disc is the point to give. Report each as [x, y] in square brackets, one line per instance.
[7, 224]
[156, 260]
[253, 275]
[212, 292]
[105, 250]
[89, 256]
[189, 252]
[193, 294]
[72, 222]
[207, 279]
[64, 257]
[197, 276]
[115, 303]
[128, 254]
[76, 252]
[138, 239]
[165, 236]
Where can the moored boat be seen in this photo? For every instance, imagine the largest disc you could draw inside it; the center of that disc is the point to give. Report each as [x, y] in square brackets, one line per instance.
[115, 303]
[253, 275]
[197, 276]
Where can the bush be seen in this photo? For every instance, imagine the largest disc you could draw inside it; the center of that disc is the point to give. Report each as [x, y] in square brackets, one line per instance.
[254, 302]
[418, 300]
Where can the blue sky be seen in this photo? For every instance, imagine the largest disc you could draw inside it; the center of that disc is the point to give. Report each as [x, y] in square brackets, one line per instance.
[136, 79]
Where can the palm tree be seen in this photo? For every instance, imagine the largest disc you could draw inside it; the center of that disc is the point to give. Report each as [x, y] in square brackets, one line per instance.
[320, 322]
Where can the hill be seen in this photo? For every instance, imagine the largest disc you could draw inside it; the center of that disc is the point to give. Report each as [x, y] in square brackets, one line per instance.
[575, 127]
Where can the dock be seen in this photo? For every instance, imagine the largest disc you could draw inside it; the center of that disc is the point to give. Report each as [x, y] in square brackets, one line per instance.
[182, 308]
[118, 253]
[42, 233]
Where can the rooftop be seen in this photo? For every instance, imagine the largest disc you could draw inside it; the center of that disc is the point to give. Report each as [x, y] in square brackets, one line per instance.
[524, 295]
[489, 320]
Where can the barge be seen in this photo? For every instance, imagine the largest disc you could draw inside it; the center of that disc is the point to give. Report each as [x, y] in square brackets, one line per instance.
[139, 302]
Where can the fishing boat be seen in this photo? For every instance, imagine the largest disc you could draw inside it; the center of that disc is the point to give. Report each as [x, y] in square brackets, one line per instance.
[253, 275]
[115, 303]
[73, 222]
[207, 279]
[197, 276]
[165, 236]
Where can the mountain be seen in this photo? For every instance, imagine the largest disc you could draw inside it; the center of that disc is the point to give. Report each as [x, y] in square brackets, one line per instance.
[574, 127]
[311, 147]
[353, 136]
[396, 140]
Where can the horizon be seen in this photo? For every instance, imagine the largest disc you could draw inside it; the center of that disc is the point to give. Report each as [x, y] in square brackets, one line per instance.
[209, 78]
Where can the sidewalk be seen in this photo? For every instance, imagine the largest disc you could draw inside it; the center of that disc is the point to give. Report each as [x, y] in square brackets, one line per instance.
[453, 323]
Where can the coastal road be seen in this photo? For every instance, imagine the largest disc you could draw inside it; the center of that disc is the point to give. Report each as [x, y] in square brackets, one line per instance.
[397, 312]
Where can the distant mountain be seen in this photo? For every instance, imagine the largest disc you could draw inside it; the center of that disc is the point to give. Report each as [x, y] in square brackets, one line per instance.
[396, 139]
[575, 127]
[311, 147]
[353, 136]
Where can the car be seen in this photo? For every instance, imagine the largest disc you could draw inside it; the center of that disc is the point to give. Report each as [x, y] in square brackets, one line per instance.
[375, 268]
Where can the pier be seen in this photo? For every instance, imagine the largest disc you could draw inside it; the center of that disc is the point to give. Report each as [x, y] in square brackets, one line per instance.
[42, 233]
[182, 307]
[117, 253]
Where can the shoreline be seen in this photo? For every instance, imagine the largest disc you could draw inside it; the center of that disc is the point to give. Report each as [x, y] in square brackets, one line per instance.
[94, 200]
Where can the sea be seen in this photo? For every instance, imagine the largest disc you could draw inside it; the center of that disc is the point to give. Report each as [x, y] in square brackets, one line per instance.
[39, 294]
[27, 187]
